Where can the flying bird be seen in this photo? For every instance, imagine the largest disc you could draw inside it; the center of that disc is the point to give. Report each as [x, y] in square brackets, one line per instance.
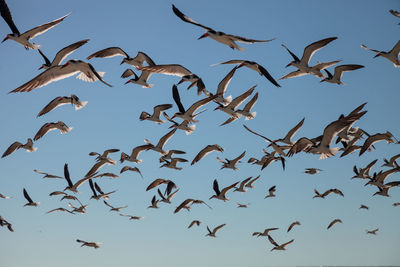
[112, 208]
[137, 61]
[131, 217]
[172, 163]
[28, 146]
[277, 246]
[271, 192]
[160, 145]
[129, 168]
[135, 153]
[388, 137]
[292, 225]
[334, 222]
[335, 78]
[3, 223]
[214, 231]
[195, 222]
[62, 100]
[29, 199]
[312, 170]
[89, 244]
[265, 232]
[221, 194]
[140, 80]
[363, 207]
[392, 55]
[156, 113]
[231, 164]
[372, 232]
[223, 38]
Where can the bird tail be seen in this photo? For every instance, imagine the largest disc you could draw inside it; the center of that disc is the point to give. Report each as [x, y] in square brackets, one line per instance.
[253, 115]
[33, 149]
[332, 152]
[191, 129]
[148, 85]
[80, 104]
[32, 46]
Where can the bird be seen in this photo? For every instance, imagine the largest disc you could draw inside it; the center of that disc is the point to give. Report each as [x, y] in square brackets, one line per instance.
[195, 222]
[252, 181]
[242, 185]
[59, 209]
[73, 187]
[156, 113]
[363, 207]
[184, 125]
[177, 70]
[160, 145]
[223, 38]
[172, 163]
[287, 139]
[50, 126]
[391, 162]
[140, 58]
[89, 244]
[117, 209]
[96, 189]
[247, 108]
[170, 154]
[159, 181]
[167, 199]
[222, 86]
[106, 174]
[363, 173]
[61, 55]
[28, 146]
[231, 164]
[24, 38]
[135, 153]
[312, 170]
[271, 192]
[29, 199]
[214, 231]
[105, 154]
[292, 225]
[392, 55]
[56, 73]
[314, 70]
[81, 209]
[188, 114]
[278, 247]
[4, 197]
[253, 66]
[129, 168]
[62, 100]
[372, 232]
[187, 203]
[131, 217]
[154, 203]
[395, 13]
[309, 51]
[388, 137]
[334, 222]
[265, 232]
[140, 80]
[396, 204]
[221, 194]
[93, 171]
[379, 179]
[3, 223]
[335, 78]
[239, 205]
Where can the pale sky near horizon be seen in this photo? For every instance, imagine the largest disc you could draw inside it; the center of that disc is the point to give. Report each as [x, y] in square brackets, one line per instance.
[111, 120]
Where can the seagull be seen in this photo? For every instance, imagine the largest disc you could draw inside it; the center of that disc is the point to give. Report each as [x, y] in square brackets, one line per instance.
[186, 204]
[17, 145]
[56, 73]
[242, 185]
[312, 170]
[292, 225]
[214, 231]
[391, 162]
[395, 13]
[105, 154]
[129, 168]
[156, 113]
[24, 38]
[137, 61]
[221, 194]
[372, 232]
[89, 244]
[154, 203]
[392, 55]
[172, 163]
[29, 199]
[195, 222]
[188, 114]
[159, 181]
[223, 38]
[3, 222]
[62, 100]
[302, 64]
[61, 55]
[335, 78]
[251, 182]
[135, 153]
[160, 145]
[253, 66]
[271, 192]
[132, 217]
[333, 222]
[388, 137]
[231, 164]
[278, 247]
[177, 70]
[265, 233]
[363, 207]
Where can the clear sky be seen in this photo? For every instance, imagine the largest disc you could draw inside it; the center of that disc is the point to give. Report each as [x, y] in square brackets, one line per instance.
[111, 120]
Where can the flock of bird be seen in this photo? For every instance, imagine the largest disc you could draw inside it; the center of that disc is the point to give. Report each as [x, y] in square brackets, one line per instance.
[343, 129]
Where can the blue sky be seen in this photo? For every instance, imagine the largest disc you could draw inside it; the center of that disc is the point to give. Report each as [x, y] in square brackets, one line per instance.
[111, 120]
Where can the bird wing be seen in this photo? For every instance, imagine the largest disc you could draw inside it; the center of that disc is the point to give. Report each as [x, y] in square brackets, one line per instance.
[251, 103]
[165, 138]
[105, 202]
[293, 74]
[56, 102]
[296, 59]
[333, 222]
[370, 141]
[92, 188]
[27, 197]
[225, 82]
[46, 60]
[157, 109]
[66, 51]
[324, 65]
[343, 68]
[109, 52]
[205, 151]
[396, 49]
[170, 185]
[156, 183]
[97, 188]
[272, 241]
[96, 77]
[142, 57]
[287, 243]
[136, 151]
[42, 28]
[334, 128]
[187, 19]
[226, 189]
[13, 147]
[177, 98]
[95, 168]
[236, 160]
[231, 119]
[218, 227]
[232, 61]
[294, 130]
[301, 145]
[314, 47]
[216, 187]
[193, 108]
[6, 14]
[248, 129]
[250, 183]
[266, 74]
[67, 176]
[373, 50]
[241, 98]
[183, 204]
[245, 40]
[168, 69]
[127, 73]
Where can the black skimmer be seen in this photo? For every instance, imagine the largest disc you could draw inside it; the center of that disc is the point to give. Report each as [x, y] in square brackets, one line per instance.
[312, 170]
[292, 225]
[372, 232]
[231, 163]
[159, 181]
[97, 192]
[129, 168]
[363, 173]
[314, 70]
[59, 209]
[388, 137]
[363, 207]
[135, 153]
[98, 165]
[172, 163]
[28, 146]
[392, 55]
[170, 154]
[226, 39]
[4, 197]
[187, 203]
[156, 113]
[116, 51]
[3, 223]
[161, 143]
[131, 217]
[62, 100]
[50, 126]
[271, 192]
[73, 187]
[56, 73]
[104, 155]
[167, 198]
[61, 55]
[184, 125]
[221, 194]
[48, 175]
[89, 244]
[214, 231]
[391, 162]
[265, 232]
[140, 80]
[240, 205]
[24, 38]
[154, 203]
[278, 247]
[246, 111]
[195, 222]
[112, 208]
[253, 66]
[205, 151]
[222, 86]
[242, 185]
[334, 222]
[29, 199]
[335, 78]
[252, 181]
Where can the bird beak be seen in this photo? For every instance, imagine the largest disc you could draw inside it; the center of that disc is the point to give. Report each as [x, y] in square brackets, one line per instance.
[5, 39]
[323, 80]
[290, 64]
[173, 116]
[377, 55]
[204, 35]
[181, 81]
[128, 81]
[41, 67]
[63, 66]
[241, 65]
[216, 108]
[122, 62]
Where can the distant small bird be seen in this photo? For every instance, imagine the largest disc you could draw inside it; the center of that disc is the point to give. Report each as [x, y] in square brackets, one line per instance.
[89, 244]
[112, 208]
[392, 55]
[48, 175]
[396, 204]
[159, 181]
[231, 164]
[363, 207]
[29, 199]
[59, 209]
[251, 182]
[278, 247]
[265, 232]
[62, 100]
[335, 78]
[195, 222]
[186, 204]
[312, 170]
[133, 157]
[372, 232]
[214, 231]
[3, 223]
[292, 225]
[28, 146]
[4, 197]
[167, 199]
[97, 192]
[140, 80]
[334, 222]
[156, 113]
[132, 217]
[205, 151]
[129, 168]
[220, 194]
[271, 192]
[105, 154]
[50, 126]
